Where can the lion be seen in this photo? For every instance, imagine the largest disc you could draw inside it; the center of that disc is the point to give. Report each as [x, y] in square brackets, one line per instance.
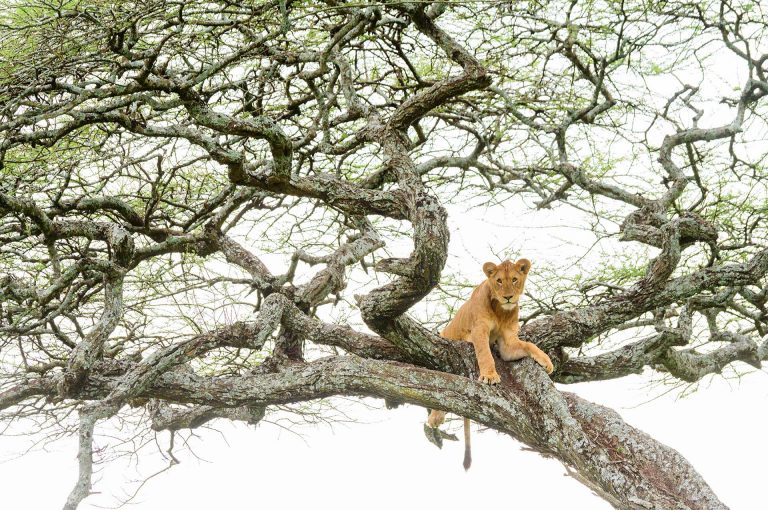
[490, 317]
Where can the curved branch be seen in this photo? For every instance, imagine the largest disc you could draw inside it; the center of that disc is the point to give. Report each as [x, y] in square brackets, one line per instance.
[574, 327]
[91, 348]
[623, 465]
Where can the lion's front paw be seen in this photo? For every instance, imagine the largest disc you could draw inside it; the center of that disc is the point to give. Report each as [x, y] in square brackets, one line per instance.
[490, 378]
[545, 362]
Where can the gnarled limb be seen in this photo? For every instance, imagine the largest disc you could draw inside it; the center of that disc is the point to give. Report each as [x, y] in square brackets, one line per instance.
[623, 465]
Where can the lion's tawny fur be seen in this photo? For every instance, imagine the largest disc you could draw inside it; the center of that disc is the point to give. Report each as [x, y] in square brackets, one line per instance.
[490, 317]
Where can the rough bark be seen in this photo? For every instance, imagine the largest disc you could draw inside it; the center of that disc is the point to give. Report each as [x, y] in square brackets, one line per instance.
[620, 463]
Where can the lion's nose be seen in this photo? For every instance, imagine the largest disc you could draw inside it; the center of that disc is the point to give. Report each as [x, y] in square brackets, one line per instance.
[509, 297]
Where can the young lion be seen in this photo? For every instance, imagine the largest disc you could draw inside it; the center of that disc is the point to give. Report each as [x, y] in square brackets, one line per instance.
[490, 317]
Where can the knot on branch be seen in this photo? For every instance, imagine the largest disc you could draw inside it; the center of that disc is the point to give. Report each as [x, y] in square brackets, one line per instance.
[645, 225]
[122, 244]
[70, 383]
[165, 417]
[118, 239]
[679, 335]
[400, 267]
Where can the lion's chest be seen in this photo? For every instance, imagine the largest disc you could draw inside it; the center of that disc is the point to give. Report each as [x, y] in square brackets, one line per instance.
[502, 326]
[494, 336]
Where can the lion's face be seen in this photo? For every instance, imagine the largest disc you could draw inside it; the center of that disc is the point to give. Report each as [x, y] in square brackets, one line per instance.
[506, 281]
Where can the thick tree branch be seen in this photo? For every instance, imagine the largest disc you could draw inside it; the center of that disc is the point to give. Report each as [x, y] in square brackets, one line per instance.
[176, 418]
[574, 327]
[91, 348]
[526, 406]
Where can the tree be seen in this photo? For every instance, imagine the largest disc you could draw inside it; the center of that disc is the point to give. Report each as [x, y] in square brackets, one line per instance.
[174, 172]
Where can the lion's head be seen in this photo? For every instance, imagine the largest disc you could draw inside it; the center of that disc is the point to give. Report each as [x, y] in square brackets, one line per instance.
[506, 281]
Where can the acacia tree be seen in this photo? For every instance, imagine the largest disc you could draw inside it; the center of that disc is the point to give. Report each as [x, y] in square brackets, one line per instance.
[187, 187]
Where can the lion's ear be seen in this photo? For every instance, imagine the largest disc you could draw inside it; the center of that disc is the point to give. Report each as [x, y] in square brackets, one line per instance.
[523, 265]
[488, 268]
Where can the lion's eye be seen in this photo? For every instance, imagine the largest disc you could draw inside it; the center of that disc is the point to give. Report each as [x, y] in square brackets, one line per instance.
[514, 280]
[498, 281]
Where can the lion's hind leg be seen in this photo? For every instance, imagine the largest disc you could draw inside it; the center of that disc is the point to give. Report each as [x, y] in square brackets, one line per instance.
[436, 418]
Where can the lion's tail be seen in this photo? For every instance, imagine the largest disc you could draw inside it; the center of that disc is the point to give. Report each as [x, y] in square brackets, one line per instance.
[467, 446]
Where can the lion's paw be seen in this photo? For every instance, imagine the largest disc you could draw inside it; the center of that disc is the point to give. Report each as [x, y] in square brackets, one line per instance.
[490, 378]
[545, 362]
